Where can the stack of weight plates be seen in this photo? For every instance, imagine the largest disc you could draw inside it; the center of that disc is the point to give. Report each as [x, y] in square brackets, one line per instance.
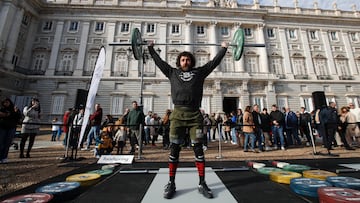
[344, 182]
[33, 197]
[318, 174]
[102, 172]
[61, 191]
[283, 176]
[307, 186]
[85, 179]
[268, 170]
[279, 164]
[296, 168]
[338, 195]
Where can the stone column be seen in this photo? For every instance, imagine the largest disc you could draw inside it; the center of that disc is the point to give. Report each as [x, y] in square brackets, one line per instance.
[110, 29]
[28, 47]
[213, 39]
[263, 59]
[82, 49]
[308, 58]
[12, 38]
[7, 13]
[328, 52]
[285, 51]
[188, 35]
[350, 54]
[55, 48]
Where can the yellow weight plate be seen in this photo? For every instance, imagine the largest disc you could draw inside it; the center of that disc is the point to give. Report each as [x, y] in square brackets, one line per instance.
[283, 176]
[85, 179]
[318, 174]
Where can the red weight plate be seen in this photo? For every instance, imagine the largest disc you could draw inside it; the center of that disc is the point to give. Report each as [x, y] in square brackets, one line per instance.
[33, 197]
[338, 195]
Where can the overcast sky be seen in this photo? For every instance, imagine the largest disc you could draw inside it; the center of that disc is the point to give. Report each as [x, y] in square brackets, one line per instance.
[323, 4]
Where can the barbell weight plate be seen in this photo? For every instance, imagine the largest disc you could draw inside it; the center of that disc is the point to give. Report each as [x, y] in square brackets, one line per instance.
[283, 176]
[296, 168]
[255, 165]
[338, 195]
[102, 172]
[344, 182]
[307, 186]
[238, 40]
[279, 164]
[268, 170]
[318, 174]
[136, 43]
[62, 191]
[109, 167]
[33, 197]
[85, 179]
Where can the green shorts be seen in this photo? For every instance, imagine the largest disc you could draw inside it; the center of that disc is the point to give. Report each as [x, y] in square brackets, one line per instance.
[183, 121]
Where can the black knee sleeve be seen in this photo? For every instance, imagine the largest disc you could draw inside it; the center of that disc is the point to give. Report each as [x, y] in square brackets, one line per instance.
[199, 152]
[174, 153]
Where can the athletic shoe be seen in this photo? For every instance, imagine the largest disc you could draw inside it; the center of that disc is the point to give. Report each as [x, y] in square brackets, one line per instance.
[205, 190]
[282, 148]
[169, 190]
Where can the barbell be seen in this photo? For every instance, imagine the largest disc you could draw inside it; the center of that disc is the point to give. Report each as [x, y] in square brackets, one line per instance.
[237, 44]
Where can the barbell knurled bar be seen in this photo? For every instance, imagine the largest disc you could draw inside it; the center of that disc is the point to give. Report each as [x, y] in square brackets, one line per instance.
[183, 44]
[237, 44]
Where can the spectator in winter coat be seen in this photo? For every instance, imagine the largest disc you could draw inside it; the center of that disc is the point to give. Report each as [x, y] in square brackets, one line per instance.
[9, 118]
[248, 129]
[305, 125]
[95, 122]
[291, 127]
[277, 119]
[266, 128]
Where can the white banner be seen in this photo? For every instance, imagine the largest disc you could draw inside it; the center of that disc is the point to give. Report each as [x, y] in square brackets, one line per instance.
[116, 159]
[90, 102]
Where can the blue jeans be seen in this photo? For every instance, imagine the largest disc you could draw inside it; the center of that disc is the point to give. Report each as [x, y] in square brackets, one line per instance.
[93, 134]
[6, 138]
[252, 140]
[260, 138]
[233, 135]
[278, 131]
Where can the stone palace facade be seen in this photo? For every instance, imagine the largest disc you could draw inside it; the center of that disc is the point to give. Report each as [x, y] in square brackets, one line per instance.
[48, 49]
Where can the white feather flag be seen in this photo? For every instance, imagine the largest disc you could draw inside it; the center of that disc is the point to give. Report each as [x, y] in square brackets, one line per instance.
[90, 102]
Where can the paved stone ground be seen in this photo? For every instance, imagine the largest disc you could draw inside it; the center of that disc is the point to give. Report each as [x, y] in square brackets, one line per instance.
[47, 159]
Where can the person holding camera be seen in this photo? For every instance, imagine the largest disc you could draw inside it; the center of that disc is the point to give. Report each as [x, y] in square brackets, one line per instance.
[30, 127]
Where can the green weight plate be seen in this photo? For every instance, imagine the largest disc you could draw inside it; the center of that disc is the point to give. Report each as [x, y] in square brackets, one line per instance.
[296, 168]
[238, 40]
[136, 43]
[267, 170]
[102, 172]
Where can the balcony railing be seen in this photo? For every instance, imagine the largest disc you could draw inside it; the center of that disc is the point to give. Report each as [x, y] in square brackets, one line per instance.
[64, 73]
[346, 77]
[26, 71]
[299, 77]
[324, 77]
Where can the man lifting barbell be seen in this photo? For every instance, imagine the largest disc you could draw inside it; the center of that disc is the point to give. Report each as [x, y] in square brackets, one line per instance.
[186, 91]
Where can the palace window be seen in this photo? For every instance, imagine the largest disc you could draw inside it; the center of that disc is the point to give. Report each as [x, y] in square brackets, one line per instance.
[175, 28]
[58, 104]
[73, 26]
[200, 30]
[47, 26]
[125, 27]
[150, 28]
[99, 26]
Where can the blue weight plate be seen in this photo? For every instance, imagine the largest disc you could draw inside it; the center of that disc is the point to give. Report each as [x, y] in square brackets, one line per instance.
[344, 182]
[58, 187]
[308, 184]
[305, 192]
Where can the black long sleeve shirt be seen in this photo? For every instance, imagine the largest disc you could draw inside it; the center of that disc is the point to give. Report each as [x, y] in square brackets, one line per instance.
[187, 87]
